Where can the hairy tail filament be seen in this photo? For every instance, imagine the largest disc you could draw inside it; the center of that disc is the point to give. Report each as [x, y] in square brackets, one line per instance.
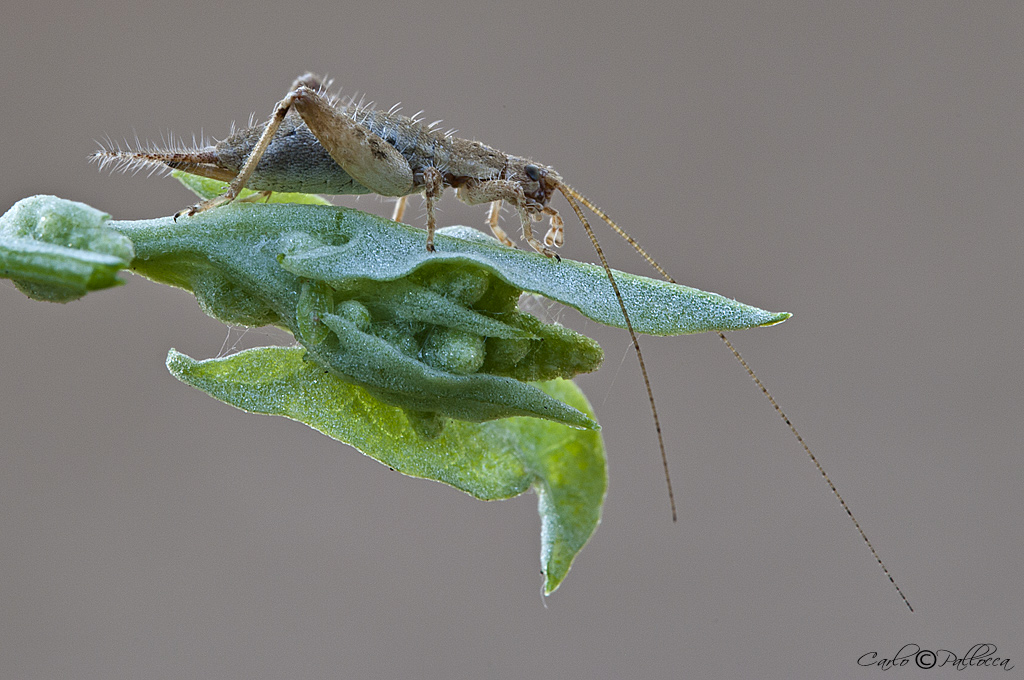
[154, 159]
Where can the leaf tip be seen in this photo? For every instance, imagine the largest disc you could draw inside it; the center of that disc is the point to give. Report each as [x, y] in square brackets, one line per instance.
[776, 319]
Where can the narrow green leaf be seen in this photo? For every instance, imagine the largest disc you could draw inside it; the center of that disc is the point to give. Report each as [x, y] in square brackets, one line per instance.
[656, 307]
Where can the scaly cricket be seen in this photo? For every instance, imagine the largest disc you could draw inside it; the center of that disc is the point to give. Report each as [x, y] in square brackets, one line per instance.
[315, 143]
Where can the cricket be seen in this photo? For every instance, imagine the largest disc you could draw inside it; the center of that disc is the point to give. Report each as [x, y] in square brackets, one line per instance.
[318, 144]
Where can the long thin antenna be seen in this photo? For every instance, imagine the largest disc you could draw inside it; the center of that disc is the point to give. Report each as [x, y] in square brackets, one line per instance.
[814, 459]
[568, 192]
[572, 195]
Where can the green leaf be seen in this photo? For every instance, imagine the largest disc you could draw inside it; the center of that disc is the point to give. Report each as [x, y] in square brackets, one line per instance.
[423, 361]
[492, 460]
[656, 307]
[403, 349]
[204, 187]
[57, 251]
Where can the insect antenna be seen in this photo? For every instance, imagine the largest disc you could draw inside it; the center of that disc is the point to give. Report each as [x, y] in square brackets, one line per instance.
[573, 196]
[817, 464]
[568, 191]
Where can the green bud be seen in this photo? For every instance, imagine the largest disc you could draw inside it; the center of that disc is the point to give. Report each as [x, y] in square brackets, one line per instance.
[454, 351]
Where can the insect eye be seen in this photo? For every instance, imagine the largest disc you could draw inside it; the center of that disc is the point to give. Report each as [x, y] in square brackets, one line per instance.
[532, 171]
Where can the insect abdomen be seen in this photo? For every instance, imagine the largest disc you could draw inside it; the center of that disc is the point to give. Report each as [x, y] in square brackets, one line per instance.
[294, 161]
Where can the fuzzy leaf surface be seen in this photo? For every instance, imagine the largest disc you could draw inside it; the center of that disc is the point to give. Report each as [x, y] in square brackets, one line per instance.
[493, 460]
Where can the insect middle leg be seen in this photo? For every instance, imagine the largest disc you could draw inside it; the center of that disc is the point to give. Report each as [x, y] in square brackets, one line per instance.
[492, 221]
[399, 211]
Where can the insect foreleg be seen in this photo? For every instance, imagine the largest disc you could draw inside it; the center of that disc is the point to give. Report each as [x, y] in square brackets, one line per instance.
[556, 234]
[510, 192]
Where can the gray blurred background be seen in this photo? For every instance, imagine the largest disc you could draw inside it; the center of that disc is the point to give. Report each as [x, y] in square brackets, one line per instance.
[857, 164]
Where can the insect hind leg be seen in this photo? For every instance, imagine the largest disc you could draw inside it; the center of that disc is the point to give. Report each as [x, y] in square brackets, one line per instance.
[365, 156]
[312, 81]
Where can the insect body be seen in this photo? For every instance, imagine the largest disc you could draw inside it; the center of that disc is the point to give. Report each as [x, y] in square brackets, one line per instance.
[313, 144]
